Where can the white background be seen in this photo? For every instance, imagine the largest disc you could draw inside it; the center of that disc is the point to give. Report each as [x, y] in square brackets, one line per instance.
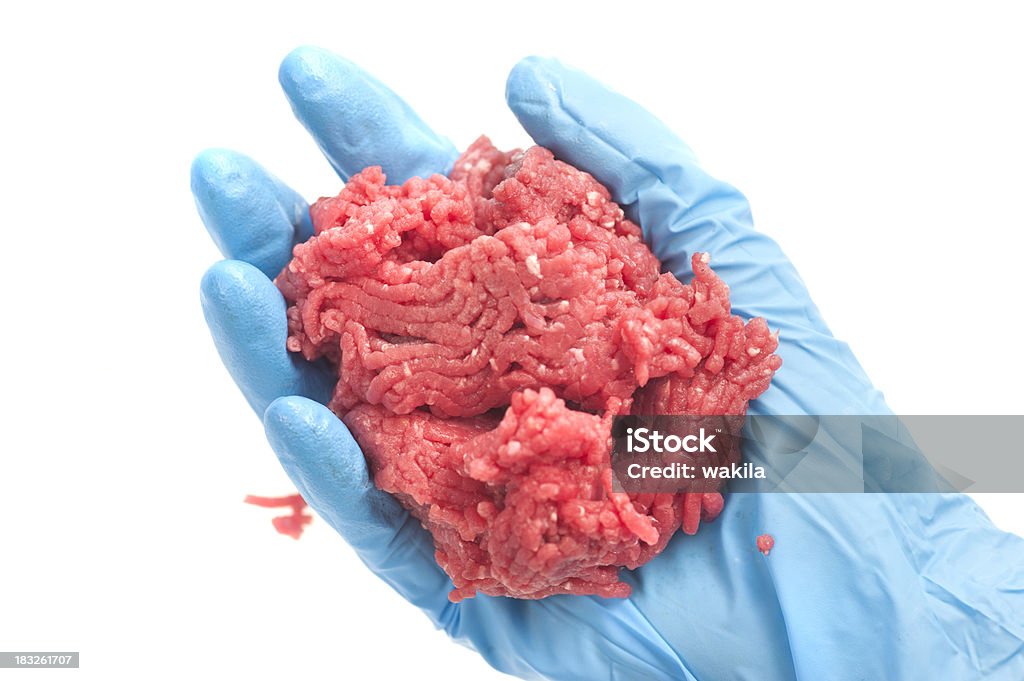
[881, 144]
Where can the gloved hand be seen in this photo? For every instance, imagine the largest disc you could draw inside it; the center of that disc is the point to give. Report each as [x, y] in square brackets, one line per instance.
[859, 586]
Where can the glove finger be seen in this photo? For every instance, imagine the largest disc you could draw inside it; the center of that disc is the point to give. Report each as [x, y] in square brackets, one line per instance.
[250, 214]
[682, 209]
[327, 467]
[357, 121]
[246, 315]
[652, 172]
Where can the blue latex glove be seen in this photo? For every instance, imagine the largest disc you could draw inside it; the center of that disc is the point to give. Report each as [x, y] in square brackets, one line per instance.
[859, 586]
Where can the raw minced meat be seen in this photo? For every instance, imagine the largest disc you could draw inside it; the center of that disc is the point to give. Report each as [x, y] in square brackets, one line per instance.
[485, 328]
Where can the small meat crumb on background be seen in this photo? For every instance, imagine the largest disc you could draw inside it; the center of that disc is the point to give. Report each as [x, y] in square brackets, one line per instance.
[292, 524]
[765, 543]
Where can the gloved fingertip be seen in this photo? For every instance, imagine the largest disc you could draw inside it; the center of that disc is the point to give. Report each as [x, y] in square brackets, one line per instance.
[306, 70]
[532, 91]
[249, 213]
[357, 121]
[319, 454]
[529, 73]
[219, 171]
[306, 436]
[228, 284]
[568, 112]
[593, 127]
[246, 315]
[311, 444]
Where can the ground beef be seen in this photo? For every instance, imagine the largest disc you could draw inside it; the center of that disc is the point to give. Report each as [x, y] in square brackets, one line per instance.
[485, 328]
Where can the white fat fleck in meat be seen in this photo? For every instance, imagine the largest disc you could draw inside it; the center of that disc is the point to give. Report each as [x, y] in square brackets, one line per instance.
[533, 265]
[593, 198]
[753, 352]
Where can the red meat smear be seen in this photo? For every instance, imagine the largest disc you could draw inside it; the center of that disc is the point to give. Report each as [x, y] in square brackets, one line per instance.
[485, 328]
[765, 543]
[290, 525]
